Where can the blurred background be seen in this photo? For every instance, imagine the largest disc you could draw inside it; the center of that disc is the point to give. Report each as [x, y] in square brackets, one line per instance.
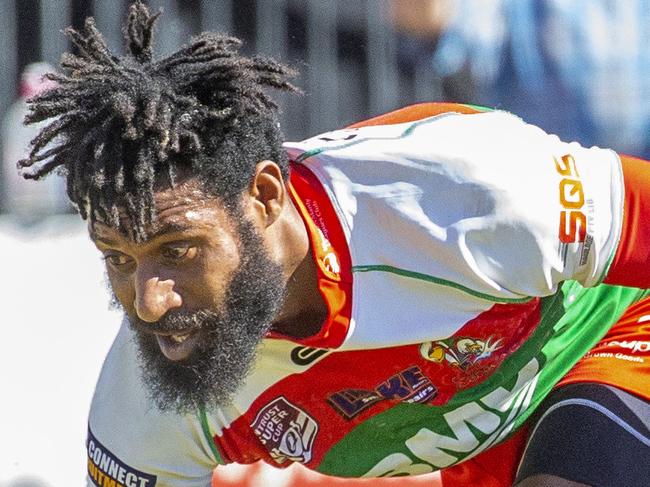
[577, 68]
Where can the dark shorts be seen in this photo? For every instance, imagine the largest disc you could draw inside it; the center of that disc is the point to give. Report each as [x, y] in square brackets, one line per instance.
[593, 434]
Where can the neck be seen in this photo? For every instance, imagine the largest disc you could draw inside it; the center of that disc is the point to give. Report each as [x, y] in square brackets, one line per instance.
[304, 310]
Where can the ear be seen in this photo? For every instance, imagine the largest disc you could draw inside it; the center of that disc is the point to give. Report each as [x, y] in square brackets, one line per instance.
[268, 192]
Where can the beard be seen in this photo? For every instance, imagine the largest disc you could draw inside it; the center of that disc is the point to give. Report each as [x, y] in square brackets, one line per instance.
[231, 337]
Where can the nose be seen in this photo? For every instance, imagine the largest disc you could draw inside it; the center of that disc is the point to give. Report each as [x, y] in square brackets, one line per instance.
[153, 298]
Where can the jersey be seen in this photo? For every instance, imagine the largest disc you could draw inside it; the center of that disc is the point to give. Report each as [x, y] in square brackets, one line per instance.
[461, 258]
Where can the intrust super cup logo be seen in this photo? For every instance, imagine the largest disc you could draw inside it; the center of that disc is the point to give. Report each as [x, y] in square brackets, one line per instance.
[287, 432]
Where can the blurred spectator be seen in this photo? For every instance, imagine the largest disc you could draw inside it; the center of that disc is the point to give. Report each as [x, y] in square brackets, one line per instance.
[419, 25]
[22, 198]
[577, 68]
[422, 18]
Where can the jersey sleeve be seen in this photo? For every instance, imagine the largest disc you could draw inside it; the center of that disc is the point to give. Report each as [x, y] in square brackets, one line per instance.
[130, 442]
[479, 202]
[557, 209]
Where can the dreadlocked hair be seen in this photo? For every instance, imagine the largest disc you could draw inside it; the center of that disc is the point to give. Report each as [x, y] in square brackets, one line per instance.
[123, 125]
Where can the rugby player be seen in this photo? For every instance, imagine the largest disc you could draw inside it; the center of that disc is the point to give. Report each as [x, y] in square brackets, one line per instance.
[440, 288]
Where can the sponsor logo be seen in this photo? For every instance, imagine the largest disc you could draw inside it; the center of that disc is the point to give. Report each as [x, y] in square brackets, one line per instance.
[287, 432]
[330, 261]
[306, 355]
[106, 470]
[351, 402]
[468, 430]
[410, 385]
[460, 352]
[635, 348]
[313, 208]
[633, 345]
[573, 220]
[331, 264]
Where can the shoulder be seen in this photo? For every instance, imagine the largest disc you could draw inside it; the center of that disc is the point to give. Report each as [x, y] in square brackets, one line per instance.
[440, 134]
[487, 188]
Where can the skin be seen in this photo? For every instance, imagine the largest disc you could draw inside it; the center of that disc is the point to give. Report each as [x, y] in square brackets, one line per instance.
[191, 252]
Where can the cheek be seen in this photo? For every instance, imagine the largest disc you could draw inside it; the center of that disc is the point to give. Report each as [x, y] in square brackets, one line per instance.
[122, 292]
[216, 273]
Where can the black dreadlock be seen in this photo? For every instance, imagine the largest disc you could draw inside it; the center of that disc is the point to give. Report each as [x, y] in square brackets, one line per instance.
[124, 125]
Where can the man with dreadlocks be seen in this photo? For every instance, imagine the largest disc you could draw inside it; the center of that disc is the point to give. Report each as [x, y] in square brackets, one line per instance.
[399, 298]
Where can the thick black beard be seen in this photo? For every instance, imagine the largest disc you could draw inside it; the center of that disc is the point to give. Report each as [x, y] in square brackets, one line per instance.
[219, 367]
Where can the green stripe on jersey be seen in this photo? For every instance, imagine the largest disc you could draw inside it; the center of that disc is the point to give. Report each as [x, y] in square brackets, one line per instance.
[411, 439]
[203, 418]
[436, 280]
[318, 150]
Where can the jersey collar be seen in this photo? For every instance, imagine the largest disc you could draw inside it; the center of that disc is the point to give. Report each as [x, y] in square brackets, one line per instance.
[329, 249]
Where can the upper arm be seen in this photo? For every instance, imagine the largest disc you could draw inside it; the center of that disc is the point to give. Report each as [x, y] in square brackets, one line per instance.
[556, 209]
[485, 201]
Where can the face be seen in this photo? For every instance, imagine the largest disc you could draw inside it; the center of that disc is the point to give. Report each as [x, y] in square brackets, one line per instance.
[200, 293]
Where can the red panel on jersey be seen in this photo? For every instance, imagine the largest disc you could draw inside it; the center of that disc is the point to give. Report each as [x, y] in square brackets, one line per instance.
[632, 260]
[329, 248]
[333, 402]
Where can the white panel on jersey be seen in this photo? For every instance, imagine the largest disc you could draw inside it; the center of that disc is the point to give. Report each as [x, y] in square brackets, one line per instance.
[397, 310]
[473, 199]
[276, 360]
[121, 394]
[469, 201]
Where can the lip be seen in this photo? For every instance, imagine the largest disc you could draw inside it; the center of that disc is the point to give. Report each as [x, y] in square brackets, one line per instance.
[177, 351]
[170, 333]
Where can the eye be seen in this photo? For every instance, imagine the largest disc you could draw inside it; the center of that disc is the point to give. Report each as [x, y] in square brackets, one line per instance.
[179, 251]
[117, 259]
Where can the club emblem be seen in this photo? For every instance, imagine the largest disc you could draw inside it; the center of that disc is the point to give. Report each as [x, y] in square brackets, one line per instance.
[460, 352]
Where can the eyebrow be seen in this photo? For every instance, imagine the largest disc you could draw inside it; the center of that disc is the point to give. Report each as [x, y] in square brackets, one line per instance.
[159, 231]
[169, 227]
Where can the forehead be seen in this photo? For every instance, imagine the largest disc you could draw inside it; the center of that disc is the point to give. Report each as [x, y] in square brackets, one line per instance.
[183, 208]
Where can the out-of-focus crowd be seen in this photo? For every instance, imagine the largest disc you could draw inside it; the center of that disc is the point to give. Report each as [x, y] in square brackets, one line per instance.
[577, 68]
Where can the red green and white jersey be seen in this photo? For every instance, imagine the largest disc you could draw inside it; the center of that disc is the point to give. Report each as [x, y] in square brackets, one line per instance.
[460, 258]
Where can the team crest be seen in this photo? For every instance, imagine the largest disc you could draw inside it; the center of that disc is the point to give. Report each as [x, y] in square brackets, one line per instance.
[460, 352]
[287, 432]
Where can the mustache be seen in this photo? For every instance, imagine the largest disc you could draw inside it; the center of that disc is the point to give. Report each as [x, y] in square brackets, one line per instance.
[178, 321]
[175, 321]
